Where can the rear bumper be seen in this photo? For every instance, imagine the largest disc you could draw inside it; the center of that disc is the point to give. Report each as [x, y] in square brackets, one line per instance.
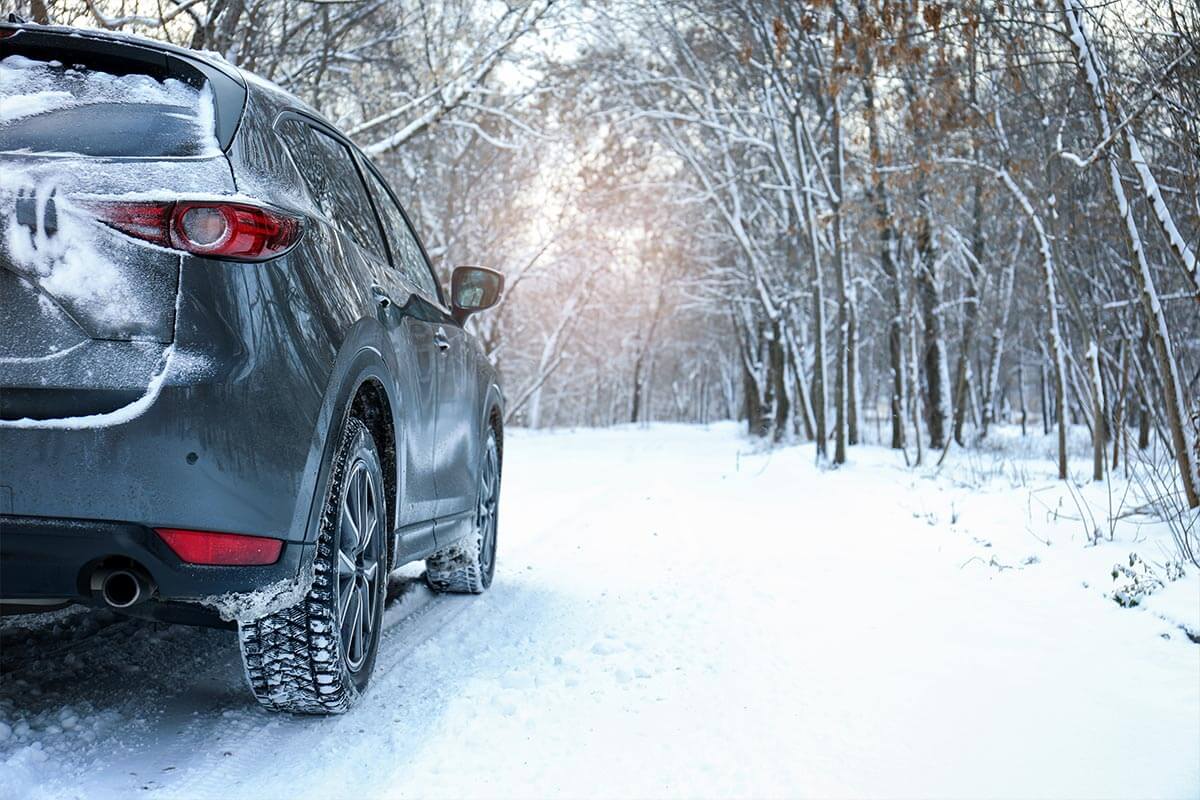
[199, 456]
[46, 559]
[222, 438]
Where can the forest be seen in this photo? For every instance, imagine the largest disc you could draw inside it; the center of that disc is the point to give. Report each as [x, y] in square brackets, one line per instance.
[837, 221]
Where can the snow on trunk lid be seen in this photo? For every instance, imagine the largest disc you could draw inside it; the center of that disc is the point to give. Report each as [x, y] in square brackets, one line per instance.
[67, 133]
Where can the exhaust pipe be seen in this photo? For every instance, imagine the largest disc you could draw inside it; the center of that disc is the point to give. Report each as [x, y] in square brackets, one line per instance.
[122, 587]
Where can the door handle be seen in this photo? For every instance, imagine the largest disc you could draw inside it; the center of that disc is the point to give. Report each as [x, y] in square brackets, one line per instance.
[380, 296]
[441, 340]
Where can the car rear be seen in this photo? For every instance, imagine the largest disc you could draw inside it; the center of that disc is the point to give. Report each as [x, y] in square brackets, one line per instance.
[91, 310]
[129, 270]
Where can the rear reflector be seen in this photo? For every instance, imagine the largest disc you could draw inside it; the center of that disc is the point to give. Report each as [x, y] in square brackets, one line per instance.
[221, 549]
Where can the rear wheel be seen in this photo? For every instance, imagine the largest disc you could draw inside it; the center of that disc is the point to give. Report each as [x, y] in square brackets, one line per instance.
[468, 566]
[317, 656]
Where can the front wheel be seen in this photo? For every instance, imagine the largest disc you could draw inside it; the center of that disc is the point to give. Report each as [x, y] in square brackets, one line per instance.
[467, 566]
[317, 656]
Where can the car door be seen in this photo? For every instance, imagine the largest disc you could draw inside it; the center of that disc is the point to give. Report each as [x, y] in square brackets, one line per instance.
[456, 449]
[329, 168]
[457, 456]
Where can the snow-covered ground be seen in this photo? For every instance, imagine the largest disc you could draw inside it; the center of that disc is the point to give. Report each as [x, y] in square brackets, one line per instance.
[677, 613]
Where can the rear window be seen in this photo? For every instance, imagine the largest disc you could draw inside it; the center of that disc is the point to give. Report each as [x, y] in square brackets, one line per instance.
[51, 107]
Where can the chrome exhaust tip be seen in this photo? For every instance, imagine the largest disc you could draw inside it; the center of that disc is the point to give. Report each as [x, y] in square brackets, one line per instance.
[122, 587]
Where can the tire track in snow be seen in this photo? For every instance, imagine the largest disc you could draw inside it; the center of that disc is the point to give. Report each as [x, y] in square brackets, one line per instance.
[197, 711]
[425, 657]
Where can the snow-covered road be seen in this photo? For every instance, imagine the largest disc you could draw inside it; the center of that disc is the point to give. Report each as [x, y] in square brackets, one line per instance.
[677, 615]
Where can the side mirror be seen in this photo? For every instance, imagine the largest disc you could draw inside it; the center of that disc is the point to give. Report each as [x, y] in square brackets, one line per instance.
[474, 289]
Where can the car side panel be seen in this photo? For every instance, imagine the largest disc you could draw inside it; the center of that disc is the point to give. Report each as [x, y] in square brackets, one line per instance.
[458, 453]
[338, 290]
[412, 340]
[482, 375]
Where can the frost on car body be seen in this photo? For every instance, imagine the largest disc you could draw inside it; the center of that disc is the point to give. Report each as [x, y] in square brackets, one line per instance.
[82, 298]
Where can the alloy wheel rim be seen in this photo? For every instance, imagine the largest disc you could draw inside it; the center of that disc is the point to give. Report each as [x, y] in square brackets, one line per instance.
[485, 515]
[358, 572]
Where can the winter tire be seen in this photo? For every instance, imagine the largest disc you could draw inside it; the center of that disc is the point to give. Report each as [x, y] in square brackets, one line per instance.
[467, 567]
[316, 657]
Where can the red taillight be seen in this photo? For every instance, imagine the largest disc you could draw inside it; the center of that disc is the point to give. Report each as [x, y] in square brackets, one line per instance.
[232, 230]
[236, 231]
[221, 549]
[149, 221]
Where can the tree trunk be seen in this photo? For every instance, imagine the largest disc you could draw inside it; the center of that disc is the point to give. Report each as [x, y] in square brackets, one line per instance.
[39, 12]
[1093, 357]
[996, 350]
[914, 394]
[854, 412]
[842, 379]
[636, 403]
[929, 291]
[804, 414]
[1060, 403]
[887, 257]
[1021, 394]
[777, 375]
[755, 424]
[818, 298]
[1054, 332]
[1118, 413]
[1047, 404]
[928, 288]
[975, 271]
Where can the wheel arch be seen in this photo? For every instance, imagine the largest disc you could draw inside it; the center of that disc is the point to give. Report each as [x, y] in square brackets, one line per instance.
[362, 383]
[372, 404]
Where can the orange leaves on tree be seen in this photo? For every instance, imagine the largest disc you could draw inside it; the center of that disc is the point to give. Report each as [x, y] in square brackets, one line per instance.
[932, 14]
[746, 53]
[779, 29]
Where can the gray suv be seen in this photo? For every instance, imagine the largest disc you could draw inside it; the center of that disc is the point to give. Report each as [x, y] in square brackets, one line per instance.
[232, 391]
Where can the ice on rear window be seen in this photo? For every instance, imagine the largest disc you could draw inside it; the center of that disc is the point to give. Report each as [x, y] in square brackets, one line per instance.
[52, 107]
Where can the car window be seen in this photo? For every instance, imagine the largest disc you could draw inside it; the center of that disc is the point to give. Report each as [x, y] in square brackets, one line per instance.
[106, 130]
[405, 250]
[51, 107]
[328, 171]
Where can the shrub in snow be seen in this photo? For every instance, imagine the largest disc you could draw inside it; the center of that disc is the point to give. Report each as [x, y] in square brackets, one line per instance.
[1131, 584]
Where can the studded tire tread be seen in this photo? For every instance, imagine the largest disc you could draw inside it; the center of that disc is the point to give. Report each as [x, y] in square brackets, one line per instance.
[456, 569]
[459, 568]
[292, 657]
